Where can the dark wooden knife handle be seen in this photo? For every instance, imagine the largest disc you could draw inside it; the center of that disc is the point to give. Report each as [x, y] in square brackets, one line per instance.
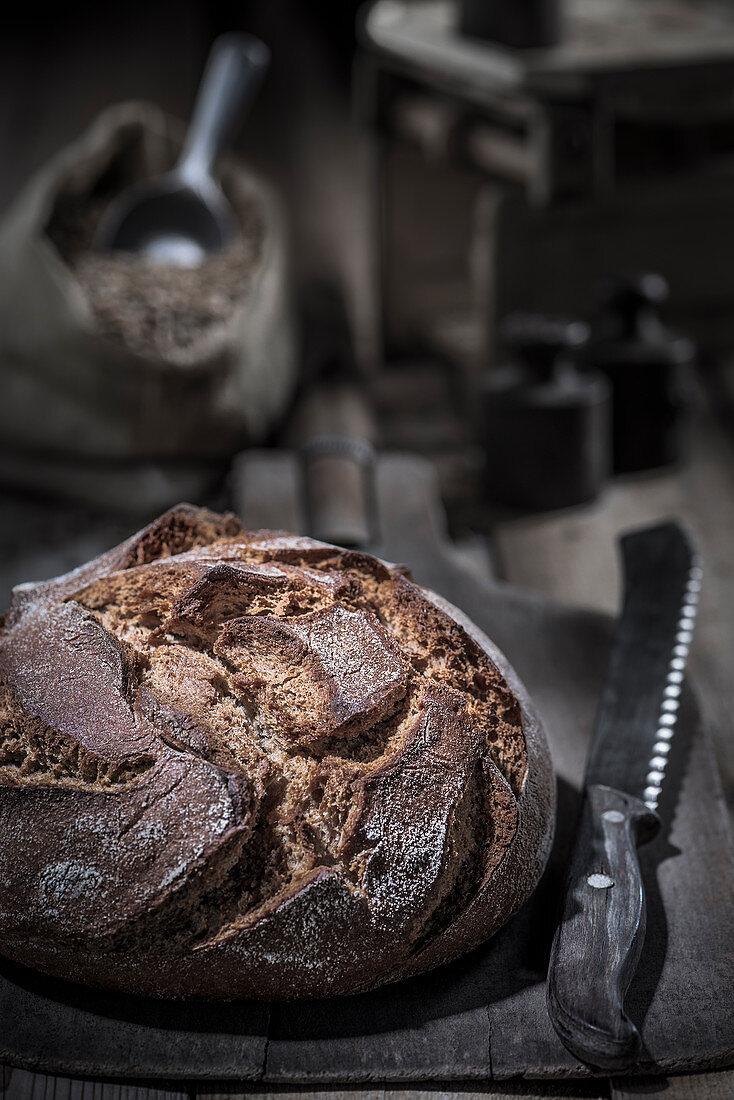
[598, 942]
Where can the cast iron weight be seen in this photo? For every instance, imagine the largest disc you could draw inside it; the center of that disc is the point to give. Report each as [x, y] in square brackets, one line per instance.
[545, 424]
[644, 362]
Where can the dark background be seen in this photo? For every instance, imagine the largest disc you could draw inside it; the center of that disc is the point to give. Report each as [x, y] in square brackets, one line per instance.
[307, 135]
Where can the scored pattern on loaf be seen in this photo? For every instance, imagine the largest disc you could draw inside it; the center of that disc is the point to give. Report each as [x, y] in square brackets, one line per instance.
[34, 753]
[351, 707]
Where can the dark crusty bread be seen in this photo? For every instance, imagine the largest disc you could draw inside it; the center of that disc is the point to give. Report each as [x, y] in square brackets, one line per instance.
[250, 764]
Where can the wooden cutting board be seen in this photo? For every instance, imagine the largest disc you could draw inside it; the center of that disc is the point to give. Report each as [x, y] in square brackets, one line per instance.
[484, 1016]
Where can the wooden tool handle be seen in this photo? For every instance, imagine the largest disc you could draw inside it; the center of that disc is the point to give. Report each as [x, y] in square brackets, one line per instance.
[598, 943]
[339, 490]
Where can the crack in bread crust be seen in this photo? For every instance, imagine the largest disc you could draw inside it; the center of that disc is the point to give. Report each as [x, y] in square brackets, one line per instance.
[327, 719]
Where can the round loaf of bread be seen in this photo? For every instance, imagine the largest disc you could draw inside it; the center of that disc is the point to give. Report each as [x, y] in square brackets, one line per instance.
[247, 764]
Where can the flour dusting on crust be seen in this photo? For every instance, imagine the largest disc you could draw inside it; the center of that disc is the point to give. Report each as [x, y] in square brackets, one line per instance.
[238, 763]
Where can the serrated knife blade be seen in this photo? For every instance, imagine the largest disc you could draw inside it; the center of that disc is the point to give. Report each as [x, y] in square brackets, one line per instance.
[598, 942]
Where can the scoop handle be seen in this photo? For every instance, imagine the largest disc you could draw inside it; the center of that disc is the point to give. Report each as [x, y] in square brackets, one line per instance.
[233, 74]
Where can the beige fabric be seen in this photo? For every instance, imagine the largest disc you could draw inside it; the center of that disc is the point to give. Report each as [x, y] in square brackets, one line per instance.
[69, 390]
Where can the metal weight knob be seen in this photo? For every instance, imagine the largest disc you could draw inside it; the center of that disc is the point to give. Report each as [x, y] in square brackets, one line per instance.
[540, 342]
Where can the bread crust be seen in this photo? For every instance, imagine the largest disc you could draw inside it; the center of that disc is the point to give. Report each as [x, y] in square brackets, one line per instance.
[246, 764]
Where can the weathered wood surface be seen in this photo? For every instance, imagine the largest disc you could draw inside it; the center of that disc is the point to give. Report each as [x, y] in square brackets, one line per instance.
[504, 1090]
[20, 1084]
[570, 556]
[695, 1086]
[483, 1016]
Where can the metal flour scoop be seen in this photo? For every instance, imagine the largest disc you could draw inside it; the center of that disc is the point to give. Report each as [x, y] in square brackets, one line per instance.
[183, 216]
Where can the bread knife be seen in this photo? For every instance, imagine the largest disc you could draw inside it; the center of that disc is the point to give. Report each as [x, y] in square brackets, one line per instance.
[598, 943]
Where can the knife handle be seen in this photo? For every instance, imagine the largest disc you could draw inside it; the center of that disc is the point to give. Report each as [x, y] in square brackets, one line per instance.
[598, 942]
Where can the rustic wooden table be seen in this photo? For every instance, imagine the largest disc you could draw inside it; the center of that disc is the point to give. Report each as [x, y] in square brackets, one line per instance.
[21, 1085]
[571, 556]
[564, 555]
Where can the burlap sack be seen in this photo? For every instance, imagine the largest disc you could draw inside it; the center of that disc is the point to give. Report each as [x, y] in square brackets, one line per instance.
[74, 396]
